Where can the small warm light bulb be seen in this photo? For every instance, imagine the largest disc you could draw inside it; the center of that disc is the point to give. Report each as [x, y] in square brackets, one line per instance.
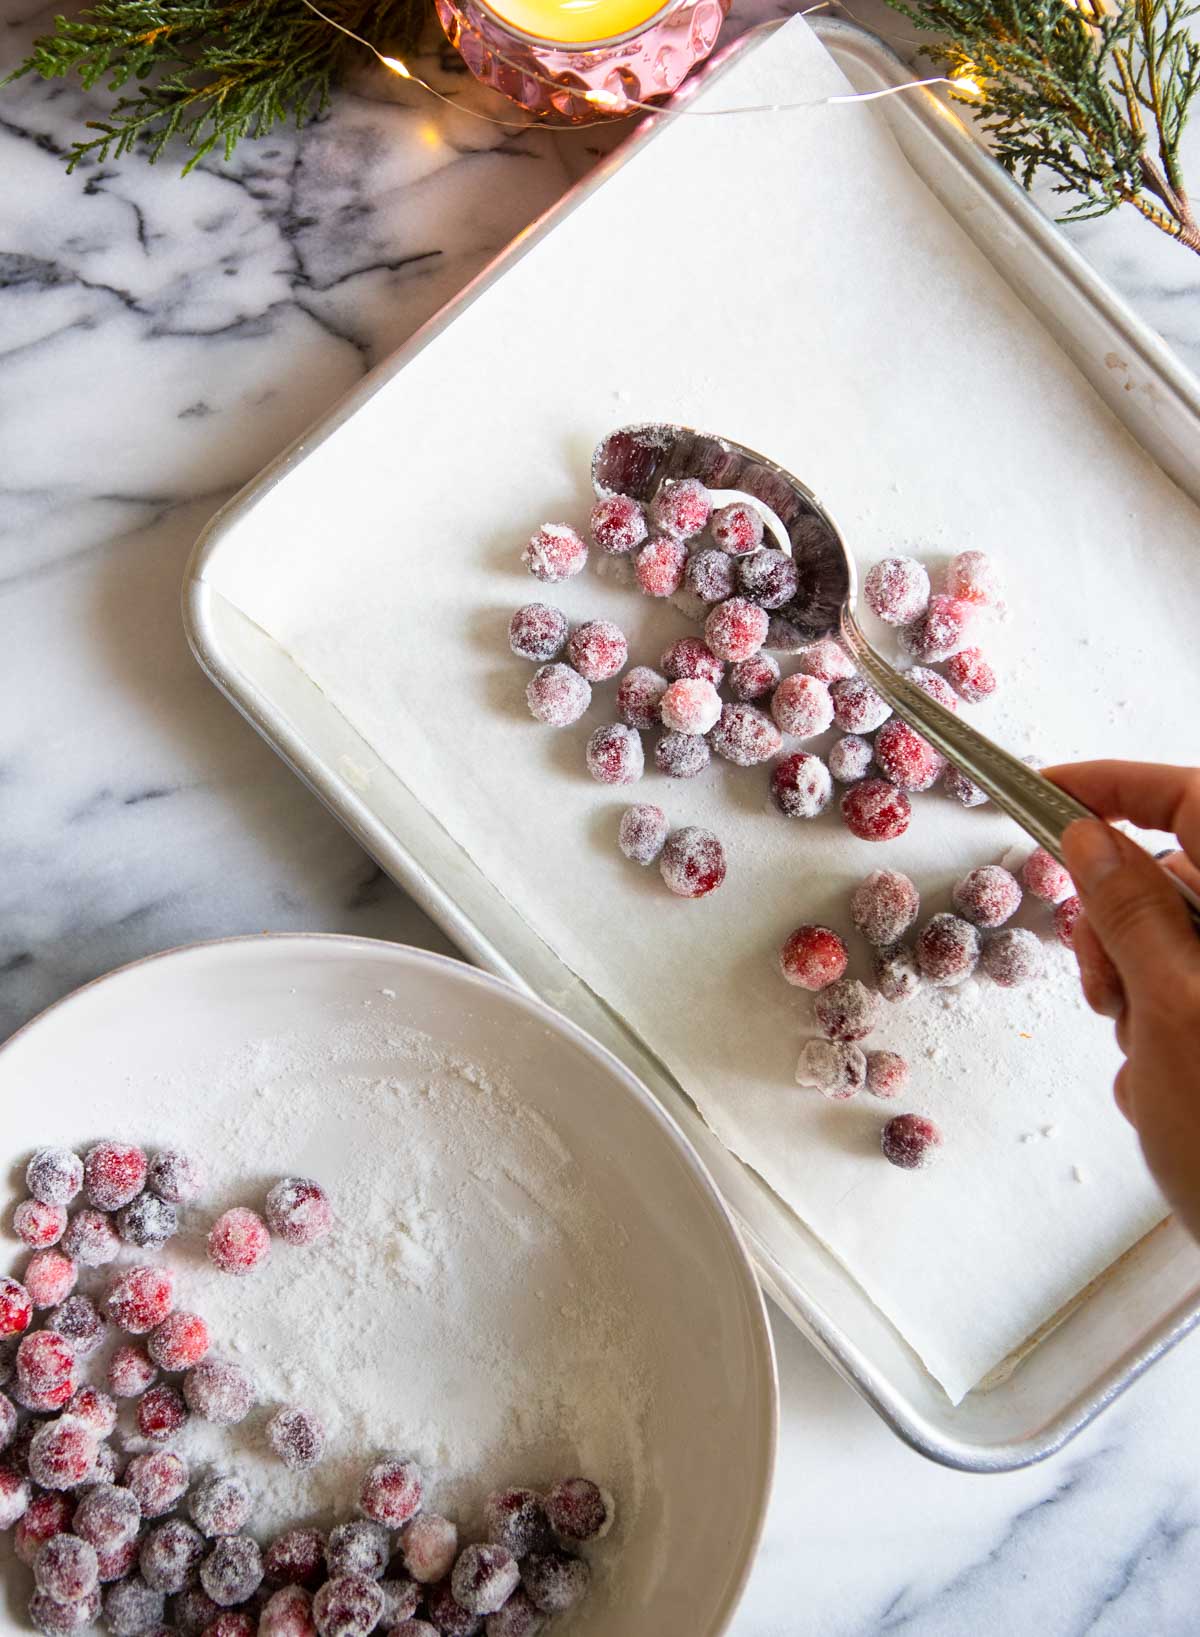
[396, 66]
[964, 81]
[601, 98]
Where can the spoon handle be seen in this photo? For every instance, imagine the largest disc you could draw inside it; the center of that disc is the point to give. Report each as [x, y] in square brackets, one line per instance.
[1039, 807]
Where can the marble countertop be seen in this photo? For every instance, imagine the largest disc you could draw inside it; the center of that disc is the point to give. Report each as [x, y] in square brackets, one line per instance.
[160, 340]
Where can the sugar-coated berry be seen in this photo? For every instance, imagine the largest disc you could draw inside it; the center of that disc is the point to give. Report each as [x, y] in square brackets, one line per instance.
[906, 758]
[129, 1372]
[642, 834]
[54, 1176]
[108, 1516]
[295, 1558]
[801, 786]
[297, 1437]
[221, 1505]
[1045, 877]
[687, 658]
[8, 1421]
[180, 1341]
[827, 660]
[660, 566]
[618, 525]
[692, 863]
[231, 1623]
[288, 1613]
[170, 1555]
[132, 1609]
[987, 896]
[579, 1510]
[639, 697]
[736, 629]
[194, 1610]
[175, 1176]
[884, 906]
[971, 675]
[690, 706]
[801, 706]
[46, 1515]
[769, 578]
[219, 1392]
[38, 1224]
[422, 1628]
[947, 949]
[941, 631]
[847, 1010]
[897, 975]
[598, 650]
[932, 684]
[298, 1211]
[973, 578]
[1013, 957]
[557, 695]
[118, 1562]
[161, 1413]
[62, 1454]
[113, 1174]
[897, 590]
[347, 1606]
[516, 1519]
[428, 1544]
[964, 790]
[753, 678]
[447, 1614]
[682, 507]
[813, 957]
[147, 1222]
[745, 735]
[681, 755]
[80, 1322]
[140, 1298]
[1065, 916]
[158, 1480]
[361, 1547]
[61, 1619]
[554, 1581]
[91, 1239]
[910, 1141]
[95, 1409]
[239, 1242]
[483, 1578]
[46, 1367]
[555, 552]
[737, 528]
[392, 1491]
[66, 1569]
[710, 575]
[518, 1618]
[49, 1278]
[105, 1469]
[14, 1497]
[875, 810]
[232, 1571]
[887, 1074]
[857, 708]
[614, 754]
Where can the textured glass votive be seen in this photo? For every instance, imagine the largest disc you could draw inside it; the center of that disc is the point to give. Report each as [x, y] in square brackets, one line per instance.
[588, 58]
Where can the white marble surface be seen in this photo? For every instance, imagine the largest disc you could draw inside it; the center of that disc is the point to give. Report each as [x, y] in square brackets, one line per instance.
[159, 341]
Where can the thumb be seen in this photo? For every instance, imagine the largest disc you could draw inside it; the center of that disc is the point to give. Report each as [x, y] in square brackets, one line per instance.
[1132, 906]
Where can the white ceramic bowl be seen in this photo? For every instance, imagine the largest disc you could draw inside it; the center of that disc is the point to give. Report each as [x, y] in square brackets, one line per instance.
[134, 1052]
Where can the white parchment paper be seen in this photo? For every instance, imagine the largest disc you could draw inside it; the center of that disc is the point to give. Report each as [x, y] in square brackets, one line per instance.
[789, 282]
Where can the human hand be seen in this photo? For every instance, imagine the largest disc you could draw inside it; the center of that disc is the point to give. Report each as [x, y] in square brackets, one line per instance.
[1139, 955]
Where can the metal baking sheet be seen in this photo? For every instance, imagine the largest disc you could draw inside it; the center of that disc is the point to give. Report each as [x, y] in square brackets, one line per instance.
[1152, 1297]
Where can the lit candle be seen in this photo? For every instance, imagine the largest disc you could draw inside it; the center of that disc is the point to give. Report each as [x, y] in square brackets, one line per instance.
[576, 22]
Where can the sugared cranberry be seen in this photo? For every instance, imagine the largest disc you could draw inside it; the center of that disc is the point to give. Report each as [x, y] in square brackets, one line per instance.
[908, 760]
[8, 1421]
[737, 529]
[932, 684]
[660, 566]
[297, 1437]
[238, 1242]
[161, 1413]
[754, 677]
[681, 508]
[681, 755]
[429, 1542]
[66, 1568]
[857, 708]
[516, 1519]
[988, 896]
[518, 1618]
[296, 1558]
[554, 553]
[219, 1392]
[194, 1611]
[96, 1409]
[1013, 957]
[360, 1548]
[642, 834]
[847, 1010]
[14, 1497]
[973, 578]
[801, 786]
[710, 575]
[347, 1606]
[288, 1613]
[801, 706]
[175, 1176]
[221, 1504]
[16, 1307]
[827, 660]
[46, 1368]
[910, 1141]
[692, 863]
[689, 658]
[105, 1469]
[769, 578]
[392, 1492]
[118, 1562]
[1045, 877]
[736, 629]
[941, 631]
[618, 525]
[1065, 916]
[298, 1210]
[579, 1510]
[639, 697]
[45, 1517]
[947, 949]
[745, 735]
[108, 1517]
[230, 1623]
[875, 810]
[813, 957]
[49, 1278]
[964, 790]
[850, 758]
[887, 1074]
[232, 1571]
[971, 675]
[158, 1480]
[180, 1341]
[55, 1619]
[447, 1615]
[132, 1609]
[54, 1176]
[129, 1372]
[598, 650]
[557, 695]
[140, 1298]
[113, 1174]
[170, 1554]
[554, 1581]
[884, 906]
[62, 1454]
[690, 706]
[91, 1239]
[80, 1322]
[147, 1222]
[897, 590]
[39, 1225]
[483, 1578]
[614, 754]
[897, 975]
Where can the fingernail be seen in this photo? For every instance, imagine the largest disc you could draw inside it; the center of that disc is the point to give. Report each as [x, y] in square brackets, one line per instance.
[1094, 852]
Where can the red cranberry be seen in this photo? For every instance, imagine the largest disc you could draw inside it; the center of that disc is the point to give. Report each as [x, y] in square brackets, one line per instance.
[1045, 877]
[49, 1278]
[516, 1519]
[660, 566]
[745, 736]
[813, 957]
[392, 1492]
[194, 1611]
[46, 1367]
[875, 810]
[932, 684]
[131, 1609]
[298, 1210]
[518, 1618]
[947, 949]
[689, 658]
[16, 1308]
[175, 1176]
[941, 631]
[8, 1421]
[690, 706]
[692, 862]
[736, 629]
[54, 1176]
[66, 1569]
[91, 1239]
[140, 1298]
[289, 1614]
[554, 1581]
[897, 590]
[130, 1372]
[897, 974]
[710, 576]
[46, 1516]
[618, 525]
[614, 754]
[221, 1505]
[801, 786]
[681, 755]
[347, 1606]
[849, 759]
[557, 695]
[884, 906]
[62, 1454]
[96, 1409]
[79, 1322]
[297, 1437]
[579, 1510]
[118, 1563]
[908, 760]
[14, 1497]
[55, 1619]
[109, 1517]
[113, 1174]
[971, 675]
[229, 1623]
[973, 578]
[887, 1074]
[484, 1578]
[956, 783]
[598, 650]
[737, 529]
[39, 1225]
[641, 835]
[754, 677]
[681, 508]
[361, 1547]
[158, 1480]
[801, 706]
[639, 697]
[147, 1222]
[1013, 957]
[1065, 916]
[988, 896]
[827, 660]
[910, 1141]
[161, 1413]
[238, 1242]
[857, 708]
[297, 1557]
[554, 553]
[180, 1341]
[768, 578]
[429, 1543]
[447, 1614]
[847, 1010]
[232, 1571]
[218, 1392]
[170, 1555]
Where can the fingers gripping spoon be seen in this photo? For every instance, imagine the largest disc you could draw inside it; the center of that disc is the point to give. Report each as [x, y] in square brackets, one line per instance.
[635, 460]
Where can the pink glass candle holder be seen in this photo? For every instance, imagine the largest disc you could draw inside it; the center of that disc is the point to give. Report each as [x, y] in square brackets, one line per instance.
[570, 79]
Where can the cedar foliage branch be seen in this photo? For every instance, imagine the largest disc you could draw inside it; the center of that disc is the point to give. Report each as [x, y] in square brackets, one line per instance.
[210, 72]
[1098, 98]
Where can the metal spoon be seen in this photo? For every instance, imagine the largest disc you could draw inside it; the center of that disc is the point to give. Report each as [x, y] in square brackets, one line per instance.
[635, 460]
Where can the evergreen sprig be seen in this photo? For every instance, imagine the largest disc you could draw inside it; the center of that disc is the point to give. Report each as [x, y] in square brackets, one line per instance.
[1098, 98]
[210, 72]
